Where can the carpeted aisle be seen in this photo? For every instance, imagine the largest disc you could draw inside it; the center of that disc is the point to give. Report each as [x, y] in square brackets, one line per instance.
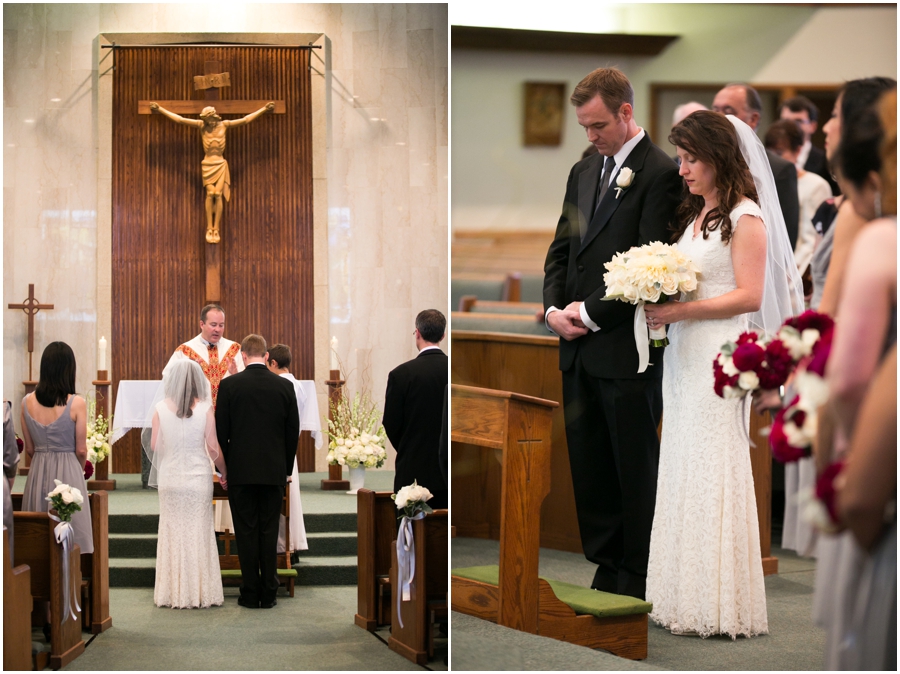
[793, 642]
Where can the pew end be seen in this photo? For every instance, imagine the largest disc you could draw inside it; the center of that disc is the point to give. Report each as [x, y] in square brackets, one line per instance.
[376, 531]
[16, 612]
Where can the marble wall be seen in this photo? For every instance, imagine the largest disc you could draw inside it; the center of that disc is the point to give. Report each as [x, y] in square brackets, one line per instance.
[381, 185]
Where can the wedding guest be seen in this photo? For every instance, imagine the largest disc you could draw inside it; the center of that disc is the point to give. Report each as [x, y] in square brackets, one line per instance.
[413, 409]
[744, 102]
[10, 461]
[810, 158]
[785, 139]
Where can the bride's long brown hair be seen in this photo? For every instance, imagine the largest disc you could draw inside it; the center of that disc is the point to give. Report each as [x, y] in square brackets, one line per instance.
[711, 138]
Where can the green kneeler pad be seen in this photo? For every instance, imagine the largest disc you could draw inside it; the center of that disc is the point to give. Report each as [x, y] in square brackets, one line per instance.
[582, 600]
[236, 573]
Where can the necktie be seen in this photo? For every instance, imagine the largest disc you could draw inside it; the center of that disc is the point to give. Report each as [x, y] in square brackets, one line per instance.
[608, 168]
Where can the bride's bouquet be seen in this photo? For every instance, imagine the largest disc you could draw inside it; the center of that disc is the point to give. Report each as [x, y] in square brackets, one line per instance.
[650, 273]
[356, 436]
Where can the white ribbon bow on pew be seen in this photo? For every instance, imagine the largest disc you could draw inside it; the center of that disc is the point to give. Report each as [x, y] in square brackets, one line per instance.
[406, 560]
[65, 536]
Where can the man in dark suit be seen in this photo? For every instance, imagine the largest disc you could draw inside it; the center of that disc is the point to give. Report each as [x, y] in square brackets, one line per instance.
[743, 101]
[803, 111]
[257, 426]
[611, 410]
[413, 410]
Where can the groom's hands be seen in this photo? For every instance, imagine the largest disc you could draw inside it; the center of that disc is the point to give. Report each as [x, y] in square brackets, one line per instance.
[567, 322]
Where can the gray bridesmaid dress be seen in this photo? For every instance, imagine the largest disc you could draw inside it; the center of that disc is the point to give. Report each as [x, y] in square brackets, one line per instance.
[54, 459]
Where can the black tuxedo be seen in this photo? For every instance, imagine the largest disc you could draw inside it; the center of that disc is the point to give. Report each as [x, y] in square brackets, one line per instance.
[413, 413]
[785, 174]
[817, 163]
[611, 411]
[257, 425]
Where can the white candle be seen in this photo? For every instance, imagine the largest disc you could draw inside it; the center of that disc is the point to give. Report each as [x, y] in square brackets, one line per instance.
[334, 358]
[102, 360]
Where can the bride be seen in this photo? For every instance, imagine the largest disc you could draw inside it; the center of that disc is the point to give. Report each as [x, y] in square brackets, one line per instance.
[182, 445]
[705, 571]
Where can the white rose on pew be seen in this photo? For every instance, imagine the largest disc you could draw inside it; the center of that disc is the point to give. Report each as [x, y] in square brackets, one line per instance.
[401, 497]
[76, 495]
[67, 497]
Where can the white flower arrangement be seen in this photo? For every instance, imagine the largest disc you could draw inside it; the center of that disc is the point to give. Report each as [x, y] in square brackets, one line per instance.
[65, 500]
[98, 446]
[411, 499]
[356, 436]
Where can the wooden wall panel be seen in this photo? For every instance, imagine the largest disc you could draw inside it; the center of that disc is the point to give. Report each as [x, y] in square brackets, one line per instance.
[159, 221]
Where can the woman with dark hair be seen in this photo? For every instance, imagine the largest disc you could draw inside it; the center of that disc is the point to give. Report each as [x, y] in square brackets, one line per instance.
[54, 428]
[705, 571]
[183, 447]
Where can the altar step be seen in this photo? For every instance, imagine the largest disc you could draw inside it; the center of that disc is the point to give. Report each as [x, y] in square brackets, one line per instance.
[330, 560]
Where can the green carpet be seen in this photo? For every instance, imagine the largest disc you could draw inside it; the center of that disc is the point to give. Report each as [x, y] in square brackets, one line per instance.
[793, 642]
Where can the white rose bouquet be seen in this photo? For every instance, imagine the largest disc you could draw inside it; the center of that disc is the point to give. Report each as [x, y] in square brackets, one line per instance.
[98, 446]
[356, 436]
[650, 273]
[411, 500]
[65, 500]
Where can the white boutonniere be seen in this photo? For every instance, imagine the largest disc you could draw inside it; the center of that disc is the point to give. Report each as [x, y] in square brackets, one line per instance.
[623, 180]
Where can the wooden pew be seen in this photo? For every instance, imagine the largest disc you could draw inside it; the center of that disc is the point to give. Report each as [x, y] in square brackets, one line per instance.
[16, 613]
[518, 427]
[530, 365]
[428, 590]
[95, 569]
[376, 531]
[36, 546]
[533, 309]
[230, 563]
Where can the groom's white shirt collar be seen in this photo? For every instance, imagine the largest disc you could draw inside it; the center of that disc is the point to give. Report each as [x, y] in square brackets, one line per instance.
[623, 153]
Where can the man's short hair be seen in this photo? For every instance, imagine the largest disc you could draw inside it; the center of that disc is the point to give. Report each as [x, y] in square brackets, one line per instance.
[610, 84]
[751, 95]
[281, 354]
[210, 307]
[801, 103]
[254, 346]
[432, 325]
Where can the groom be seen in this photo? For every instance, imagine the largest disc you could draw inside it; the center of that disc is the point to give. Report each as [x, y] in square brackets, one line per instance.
[257, 425]
[611, 411]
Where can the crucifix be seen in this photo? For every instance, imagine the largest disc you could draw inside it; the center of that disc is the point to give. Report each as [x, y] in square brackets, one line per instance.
[216, 176]
[30, 306]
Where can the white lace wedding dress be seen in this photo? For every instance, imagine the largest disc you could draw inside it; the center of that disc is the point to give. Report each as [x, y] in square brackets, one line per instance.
[187, 559]
[705, 572]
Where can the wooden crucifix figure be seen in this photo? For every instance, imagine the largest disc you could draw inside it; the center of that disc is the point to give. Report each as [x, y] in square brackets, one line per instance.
[30, 306]
[216, 176]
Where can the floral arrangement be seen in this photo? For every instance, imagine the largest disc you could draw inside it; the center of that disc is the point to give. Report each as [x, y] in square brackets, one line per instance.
[356, 436]
[818, 503]
[411, 500]
[649, 273]
[98, 446]
[88, 469]
[65, 500]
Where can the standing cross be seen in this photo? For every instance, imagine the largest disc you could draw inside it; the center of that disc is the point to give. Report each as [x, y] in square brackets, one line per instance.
[211, 82]
[30, 306]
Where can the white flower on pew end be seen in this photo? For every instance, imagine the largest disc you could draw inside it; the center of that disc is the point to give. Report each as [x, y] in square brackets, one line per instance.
[411, 500]
[65, 500]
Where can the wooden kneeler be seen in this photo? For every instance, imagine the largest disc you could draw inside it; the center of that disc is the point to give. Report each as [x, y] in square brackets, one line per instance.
[519, 428]
[230, 563]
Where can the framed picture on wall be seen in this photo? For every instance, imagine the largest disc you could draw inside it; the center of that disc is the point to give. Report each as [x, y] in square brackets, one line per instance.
[544, 113]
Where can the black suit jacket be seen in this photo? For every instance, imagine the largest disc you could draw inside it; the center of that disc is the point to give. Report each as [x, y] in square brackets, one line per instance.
[817, 163]
[785, 174]
[574, 268]
[413, 411]
[257, 425]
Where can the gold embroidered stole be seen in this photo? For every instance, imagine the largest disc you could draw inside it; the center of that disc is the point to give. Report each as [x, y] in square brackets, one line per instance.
[215, 370]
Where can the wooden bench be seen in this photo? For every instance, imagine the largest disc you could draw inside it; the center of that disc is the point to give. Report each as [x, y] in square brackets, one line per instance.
[476, 306]
[16, 613]
[95, 569]
[230, 563]
[503, 287]
[512, 595]
[428, 590]
[36, 546]
[505, 323]
[376, 531]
